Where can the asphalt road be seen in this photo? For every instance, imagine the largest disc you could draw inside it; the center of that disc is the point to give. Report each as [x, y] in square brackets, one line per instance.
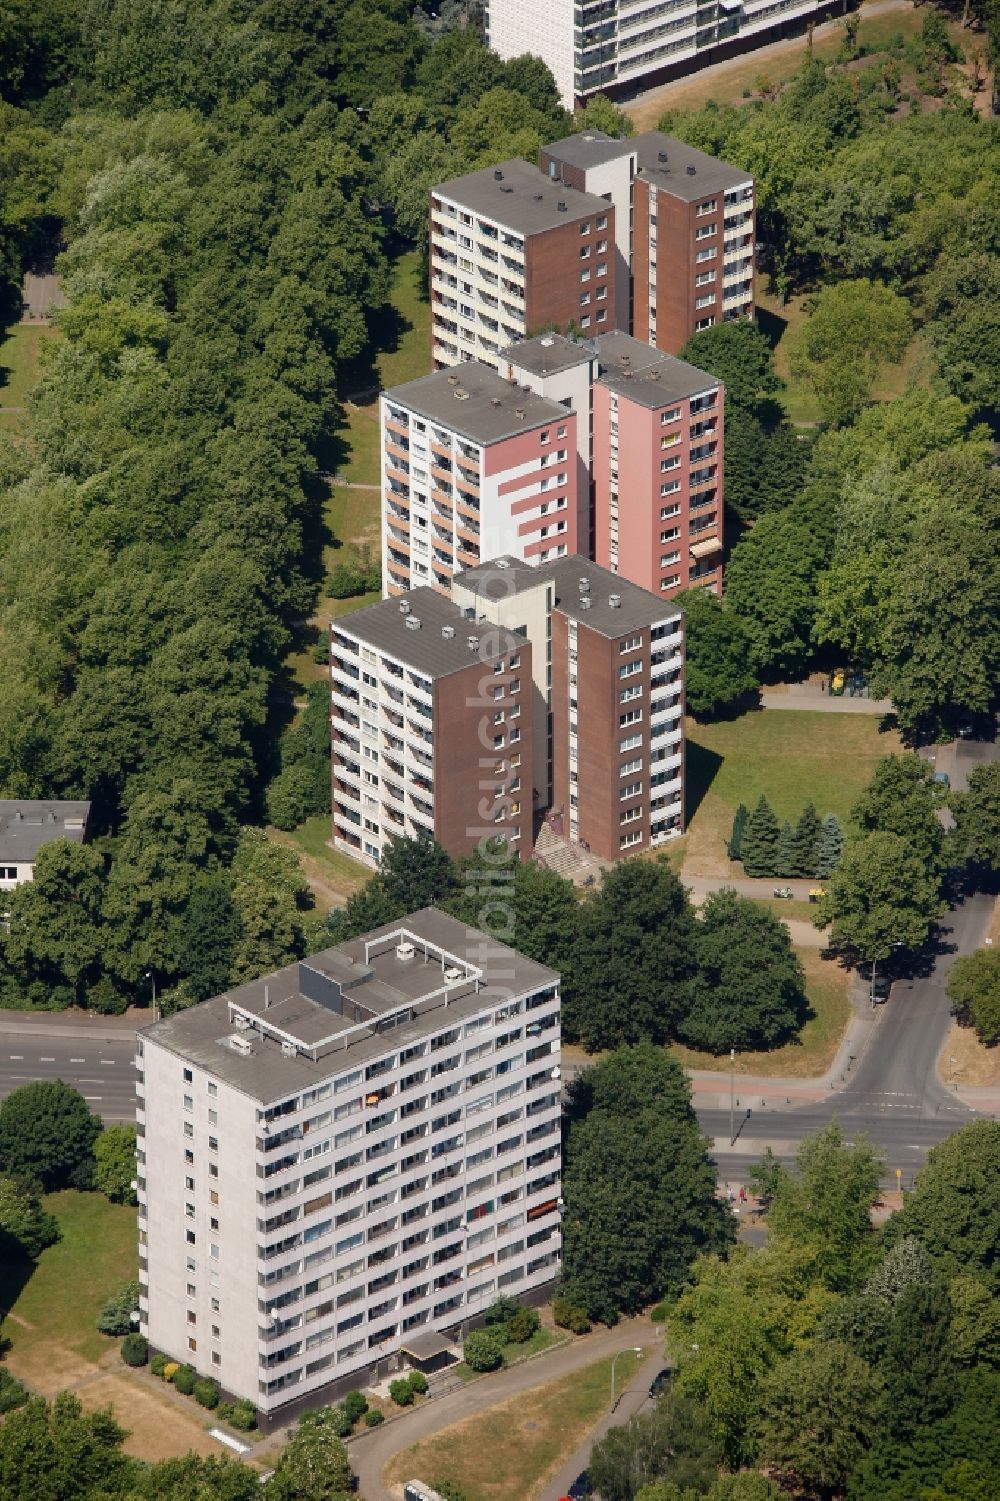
[893, 1093]
[102, 1068]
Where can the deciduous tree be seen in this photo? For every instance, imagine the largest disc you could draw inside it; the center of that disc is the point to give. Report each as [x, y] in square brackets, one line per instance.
[47, 1133]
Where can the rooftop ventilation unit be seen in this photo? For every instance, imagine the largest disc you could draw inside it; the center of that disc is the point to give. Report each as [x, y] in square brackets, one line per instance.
[538, 197]
[241, 1045]
[243, 1022]
[495, 401]
[561, 206]
[412, 623]
[692, 169]
[405, 951]
[520, 412]
[453, 380]
[452, 973]
[585, 602]
[497, 175]
[652, 375]
[289, 1049]
[615, 601]
[506, 188]
[501, 563]
[404, 607]
[460, 394]
[584, 586]
[662, 156]
[447, 632]
[472, 642]
[547, 341]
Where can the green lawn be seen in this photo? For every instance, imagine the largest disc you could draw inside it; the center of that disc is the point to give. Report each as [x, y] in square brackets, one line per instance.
[507, 1452]
[405, 354]
[542, 1339]
[791, 756]
[813, 1050]
[51, 1315]
[331, 876]
[20, 366]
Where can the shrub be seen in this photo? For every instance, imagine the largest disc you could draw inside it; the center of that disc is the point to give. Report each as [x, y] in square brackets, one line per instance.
[418, 1382]
[338, 1421]
[355, 1404]
[135, 1349]
[116, 1315]
[449, 1491]
[170, 1370]
[12, 1393]
[241, 1415]
[401, 1393]
[482, 1350]
[184, 1379]
[206, 1393]
[569, 1315]
[158, 1364]
[523, 1325]
[501, 1311]
[373, 1417]
[659, 1313]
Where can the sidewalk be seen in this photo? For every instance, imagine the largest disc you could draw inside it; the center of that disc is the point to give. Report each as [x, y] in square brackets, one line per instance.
[633, 1399]
[806, 696]
[80, 1024]
[372, 1450]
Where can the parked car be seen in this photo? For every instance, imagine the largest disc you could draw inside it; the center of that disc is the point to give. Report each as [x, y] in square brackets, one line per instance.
[580, 1489]
[660, 1382]
[942, 778]
[785, 891]
[881, 989]
[816, 893]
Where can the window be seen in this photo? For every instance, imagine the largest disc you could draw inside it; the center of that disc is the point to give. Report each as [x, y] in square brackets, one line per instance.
[633, 643]
[584, 275]
[602, 315]
[584, 252]
[706, 231]
[704, 278]
[705, 301]
[192, 1317]
[602, 270]
[584, 322]
[188, 1102]
[216, 1358]
[213, 1089]
[708, 207]
[190, 1237]
[192, 1290]
[192, 1344]
[584, 299]
[585, 228]
[188, 1076]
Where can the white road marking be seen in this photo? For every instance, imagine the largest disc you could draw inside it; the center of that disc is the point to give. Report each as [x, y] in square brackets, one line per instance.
[92, 1097]
[90, 1081]
[107, 1062]
[78, 1060]
[19, 1057]
[46, 1060]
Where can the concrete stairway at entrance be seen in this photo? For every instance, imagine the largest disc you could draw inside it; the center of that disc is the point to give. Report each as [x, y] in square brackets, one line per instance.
[569, 860]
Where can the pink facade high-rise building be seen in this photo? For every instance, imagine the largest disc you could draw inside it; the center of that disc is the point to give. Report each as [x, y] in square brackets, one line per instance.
[472, 467]
[652, 431]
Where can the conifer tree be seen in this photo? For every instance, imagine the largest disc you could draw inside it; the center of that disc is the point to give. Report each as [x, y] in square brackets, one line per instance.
[786, 850]
[806, 849]
[760, 841]
[830, 847]
[735, 845]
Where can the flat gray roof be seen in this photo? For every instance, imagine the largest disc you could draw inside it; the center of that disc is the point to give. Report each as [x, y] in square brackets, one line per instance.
[522, 199]
[711, 174]
[476, 402]
[547, 354]
[28, 823]
[646, 375]
[589, 148]
[364, 972]
[425, 648]
[637, 607]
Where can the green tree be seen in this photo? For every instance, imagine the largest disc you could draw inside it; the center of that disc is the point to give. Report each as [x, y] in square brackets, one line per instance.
[413, 873]
[670, 1443]
[749, 991]
[818, 1415]
[739, 354]
[901, 798]
[598, 113]
[25, 1227]
[880, 897]
[785, 857]
[482, 1350]
[633, 961]
[734, 847]
[918, 1367]
[717, 666]
[302, 787]
[47, 1133]
[974, 986]
[54, 936]
[528, 906]
[977, 817]
[853, 329]
[830, 847]
[806, 846]
[271, 896]
[313, 1465]
[639, 1191]
[824, 1204]
[57, 1452]
[115, 1166]
[210, 933]
[761, 839]
[771, 585]
[961, 297]
[954, 1208]
[749, 1485]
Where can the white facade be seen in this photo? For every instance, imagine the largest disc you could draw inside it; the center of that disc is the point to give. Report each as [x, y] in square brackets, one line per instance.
[596, 45]
[406, 1177]
[477, 285]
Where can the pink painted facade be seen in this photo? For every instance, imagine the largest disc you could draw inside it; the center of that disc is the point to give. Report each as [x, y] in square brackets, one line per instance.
[657, 473]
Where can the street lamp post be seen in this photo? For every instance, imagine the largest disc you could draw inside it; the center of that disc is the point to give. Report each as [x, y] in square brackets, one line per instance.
[636, 1350]
[732, 1089]
[152, 980]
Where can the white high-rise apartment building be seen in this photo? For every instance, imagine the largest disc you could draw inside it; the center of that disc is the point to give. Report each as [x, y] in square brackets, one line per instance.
[604, 46]
[355, 1151]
